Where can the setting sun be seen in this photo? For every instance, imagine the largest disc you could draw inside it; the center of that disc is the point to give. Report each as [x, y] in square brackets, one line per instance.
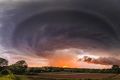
[65, 66]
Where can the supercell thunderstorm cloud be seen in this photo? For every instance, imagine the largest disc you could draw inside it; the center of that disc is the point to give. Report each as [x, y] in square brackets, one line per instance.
[62, 31]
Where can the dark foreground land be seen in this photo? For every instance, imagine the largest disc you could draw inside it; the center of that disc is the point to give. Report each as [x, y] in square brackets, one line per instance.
[75, 76]
[63, 76]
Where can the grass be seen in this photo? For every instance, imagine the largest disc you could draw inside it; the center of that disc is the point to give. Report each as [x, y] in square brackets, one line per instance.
[8, 77]
[11, 76]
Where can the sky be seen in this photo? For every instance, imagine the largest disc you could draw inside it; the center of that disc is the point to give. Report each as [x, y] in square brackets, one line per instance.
[61, 33]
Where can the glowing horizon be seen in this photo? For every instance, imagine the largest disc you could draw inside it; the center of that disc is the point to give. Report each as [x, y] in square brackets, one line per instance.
[69, 58]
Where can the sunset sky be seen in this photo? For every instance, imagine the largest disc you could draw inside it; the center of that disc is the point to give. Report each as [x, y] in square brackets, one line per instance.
[61, 33]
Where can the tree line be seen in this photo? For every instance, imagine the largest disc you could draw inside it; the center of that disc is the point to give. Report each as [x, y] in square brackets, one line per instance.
[21, 67]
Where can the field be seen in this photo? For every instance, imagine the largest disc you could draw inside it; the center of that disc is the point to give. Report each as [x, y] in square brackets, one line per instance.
[64, 76]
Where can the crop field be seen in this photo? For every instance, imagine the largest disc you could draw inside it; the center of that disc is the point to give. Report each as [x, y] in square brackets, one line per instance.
[64, 76]
[74, 76]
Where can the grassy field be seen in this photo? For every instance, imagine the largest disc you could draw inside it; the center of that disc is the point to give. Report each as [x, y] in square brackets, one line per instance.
[63, 76]
[8, 77]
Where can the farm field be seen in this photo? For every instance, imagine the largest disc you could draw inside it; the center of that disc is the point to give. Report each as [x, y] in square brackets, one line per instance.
[65, 76]
[74, 76]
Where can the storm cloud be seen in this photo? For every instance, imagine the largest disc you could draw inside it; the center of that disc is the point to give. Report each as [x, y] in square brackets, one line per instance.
[101, 60]
[40, 27]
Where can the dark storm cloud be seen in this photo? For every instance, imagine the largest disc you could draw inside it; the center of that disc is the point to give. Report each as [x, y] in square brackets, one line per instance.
[101, 60]
[51, 25]
[66, 28]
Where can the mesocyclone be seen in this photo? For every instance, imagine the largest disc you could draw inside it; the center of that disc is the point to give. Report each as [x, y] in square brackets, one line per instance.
[45, 26]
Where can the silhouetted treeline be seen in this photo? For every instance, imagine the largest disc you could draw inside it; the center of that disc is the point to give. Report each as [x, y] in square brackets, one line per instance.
[78, 70]
[21, 67]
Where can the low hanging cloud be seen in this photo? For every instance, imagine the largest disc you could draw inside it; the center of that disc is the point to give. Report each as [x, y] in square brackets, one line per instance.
[101, 60]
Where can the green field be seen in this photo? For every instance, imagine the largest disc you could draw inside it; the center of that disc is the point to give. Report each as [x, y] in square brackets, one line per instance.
[5, 77]
[8, 77]
[63, 76]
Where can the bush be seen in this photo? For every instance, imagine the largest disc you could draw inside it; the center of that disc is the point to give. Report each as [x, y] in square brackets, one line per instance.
[4, 72]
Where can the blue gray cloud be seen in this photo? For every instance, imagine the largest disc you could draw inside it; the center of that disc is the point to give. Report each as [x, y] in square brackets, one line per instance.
[50, 25]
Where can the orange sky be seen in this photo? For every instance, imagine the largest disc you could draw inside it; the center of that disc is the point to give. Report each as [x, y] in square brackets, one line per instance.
[60, 58]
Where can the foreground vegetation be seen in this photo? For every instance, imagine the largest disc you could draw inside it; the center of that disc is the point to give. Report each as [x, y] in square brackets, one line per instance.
[8, 77]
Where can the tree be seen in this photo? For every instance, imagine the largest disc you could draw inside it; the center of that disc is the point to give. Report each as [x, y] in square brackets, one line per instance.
[3, 62]
[19, 67]
[116, 69]
[21, 63]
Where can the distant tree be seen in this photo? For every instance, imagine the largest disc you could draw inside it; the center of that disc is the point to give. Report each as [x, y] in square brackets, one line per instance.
[116, 69]
[20, 67]
[21, 63]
